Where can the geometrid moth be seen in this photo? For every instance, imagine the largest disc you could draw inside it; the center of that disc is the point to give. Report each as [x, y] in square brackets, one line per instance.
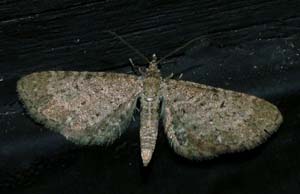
[200, 121]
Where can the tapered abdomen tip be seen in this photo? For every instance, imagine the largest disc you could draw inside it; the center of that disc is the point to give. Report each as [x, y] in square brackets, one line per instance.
[146, 156]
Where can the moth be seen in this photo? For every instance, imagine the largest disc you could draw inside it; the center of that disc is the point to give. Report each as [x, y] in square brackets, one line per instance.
[200, 121]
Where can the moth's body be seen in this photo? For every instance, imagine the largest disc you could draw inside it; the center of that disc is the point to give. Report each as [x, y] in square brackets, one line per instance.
[199, 121]
[150, 101]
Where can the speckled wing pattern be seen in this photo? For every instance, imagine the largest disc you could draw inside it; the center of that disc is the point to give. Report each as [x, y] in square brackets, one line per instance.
[96, 107]
[85, 107]
[202, 122]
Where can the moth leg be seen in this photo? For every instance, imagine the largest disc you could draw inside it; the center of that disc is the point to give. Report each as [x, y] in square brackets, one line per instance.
[180, 76]
[170, 76]
[137, 70]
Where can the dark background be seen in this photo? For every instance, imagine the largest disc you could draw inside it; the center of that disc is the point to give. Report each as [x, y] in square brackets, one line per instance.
[249, 46]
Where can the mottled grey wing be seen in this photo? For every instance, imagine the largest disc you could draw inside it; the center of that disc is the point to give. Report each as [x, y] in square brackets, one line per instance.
[85, 107]
[203, 122]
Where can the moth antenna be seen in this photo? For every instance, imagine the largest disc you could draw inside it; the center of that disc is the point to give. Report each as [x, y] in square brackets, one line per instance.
[179, 48]
[129, 45]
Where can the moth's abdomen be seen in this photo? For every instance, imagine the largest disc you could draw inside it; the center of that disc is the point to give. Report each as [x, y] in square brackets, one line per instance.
[149, 117]
[149, 127]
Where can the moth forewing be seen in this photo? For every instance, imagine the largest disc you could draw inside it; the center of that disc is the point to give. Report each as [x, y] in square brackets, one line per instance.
[86, 107]
[203, 122]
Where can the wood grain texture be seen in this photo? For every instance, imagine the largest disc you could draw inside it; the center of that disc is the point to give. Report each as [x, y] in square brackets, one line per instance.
[252, 46]
[44, 34]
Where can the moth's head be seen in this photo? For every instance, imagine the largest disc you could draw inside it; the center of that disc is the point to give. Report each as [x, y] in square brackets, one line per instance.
[153, 70]
[153, 63]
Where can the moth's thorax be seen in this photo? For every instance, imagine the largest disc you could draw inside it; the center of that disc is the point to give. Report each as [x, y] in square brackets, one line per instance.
[151, 86]
[152, 80]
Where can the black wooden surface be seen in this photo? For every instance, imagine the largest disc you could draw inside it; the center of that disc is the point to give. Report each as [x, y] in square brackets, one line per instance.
[250, 46]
